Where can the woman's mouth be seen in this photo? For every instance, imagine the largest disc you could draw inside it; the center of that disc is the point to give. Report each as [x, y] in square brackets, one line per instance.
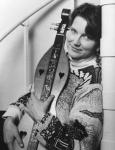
[75, 49]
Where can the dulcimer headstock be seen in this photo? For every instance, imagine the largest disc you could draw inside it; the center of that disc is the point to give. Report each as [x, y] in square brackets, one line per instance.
[62, 27]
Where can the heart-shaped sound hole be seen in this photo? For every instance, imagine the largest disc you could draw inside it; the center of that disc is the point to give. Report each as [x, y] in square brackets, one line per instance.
[23, 134]
[41, 71]
[61, 74]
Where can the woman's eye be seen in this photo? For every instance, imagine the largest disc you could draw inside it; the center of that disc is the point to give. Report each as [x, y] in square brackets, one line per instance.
[85, 37]
[73, 31]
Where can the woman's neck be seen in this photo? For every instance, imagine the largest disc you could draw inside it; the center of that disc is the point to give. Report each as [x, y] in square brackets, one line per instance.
[83, 62]
[79, 61]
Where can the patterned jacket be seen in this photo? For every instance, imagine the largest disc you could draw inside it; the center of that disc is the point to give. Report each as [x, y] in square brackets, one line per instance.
[79, 117]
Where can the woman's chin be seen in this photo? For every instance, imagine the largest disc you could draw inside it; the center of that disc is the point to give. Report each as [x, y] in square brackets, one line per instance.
[73, 55]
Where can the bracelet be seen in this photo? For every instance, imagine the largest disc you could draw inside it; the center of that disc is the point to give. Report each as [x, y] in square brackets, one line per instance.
[45, 118]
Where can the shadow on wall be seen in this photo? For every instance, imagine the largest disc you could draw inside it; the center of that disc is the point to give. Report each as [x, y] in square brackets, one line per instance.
[43, 17]
[2, 144]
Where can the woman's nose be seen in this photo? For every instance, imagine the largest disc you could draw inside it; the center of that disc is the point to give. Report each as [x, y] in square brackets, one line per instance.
[76, 40]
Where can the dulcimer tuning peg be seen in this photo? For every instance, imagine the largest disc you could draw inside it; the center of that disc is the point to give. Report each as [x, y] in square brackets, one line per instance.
[51, 28]
[55, 26]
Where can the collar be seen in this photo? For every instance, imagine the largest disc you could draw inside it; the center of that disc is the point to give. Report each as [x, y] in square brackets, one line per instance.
[75, 66]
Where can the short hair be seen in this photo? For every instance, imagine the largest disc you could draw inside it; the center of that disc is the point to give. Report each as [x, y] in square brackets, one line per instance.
[92, 14]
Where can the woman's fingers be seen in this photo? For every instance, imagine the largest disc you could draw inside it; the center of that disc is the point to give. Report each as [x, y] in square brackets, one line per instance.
[10, 146]
[19, 140]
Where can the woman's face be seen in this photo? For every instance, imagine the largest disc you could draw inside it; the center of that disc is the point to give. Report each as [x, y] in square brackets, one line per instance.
[78, 45]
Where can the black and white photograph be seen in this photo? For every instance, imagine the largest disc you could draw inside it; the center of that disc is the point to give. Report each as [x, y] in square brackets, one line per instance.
[57, 77]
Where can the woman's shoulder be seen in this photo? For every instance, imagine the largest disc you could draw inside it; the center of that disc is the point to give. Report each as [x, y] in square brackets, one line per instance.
[93, 72]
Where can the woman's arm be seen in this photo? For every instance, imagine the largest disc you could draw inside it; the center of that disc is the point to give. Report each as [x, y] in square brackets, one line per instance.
[12, 117]
[54, 135]
[88, 110]
[16, 109]
[85, 124]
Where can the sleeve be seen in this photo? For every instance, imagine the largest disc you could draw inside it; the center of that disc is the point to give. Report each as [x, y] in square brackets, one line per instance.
[88, 110]
[12, 111]
[54, 135]
[15, 109]
[85, 124]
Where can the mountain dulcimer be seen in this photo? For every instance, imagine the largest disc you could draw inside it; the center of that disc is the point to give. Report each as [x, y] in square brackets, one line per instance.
[50, 77]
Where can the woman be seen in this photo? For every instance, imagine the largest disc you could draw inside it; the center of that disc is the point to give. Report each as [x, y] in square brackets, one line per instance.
[79, 119]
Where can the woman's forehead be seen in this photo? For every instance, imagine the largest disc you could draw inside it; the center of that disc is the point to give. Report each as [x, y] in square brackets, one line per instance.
[79, 23]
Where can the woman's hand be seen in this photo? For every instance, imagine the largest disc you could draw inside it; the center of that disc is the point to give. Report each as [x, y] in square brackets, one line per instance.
[36, 109]
[11, 133]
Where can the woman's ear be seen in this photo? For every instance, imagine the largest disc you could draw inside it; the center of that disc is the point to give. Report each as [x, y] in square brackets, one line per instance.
[98, 50]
